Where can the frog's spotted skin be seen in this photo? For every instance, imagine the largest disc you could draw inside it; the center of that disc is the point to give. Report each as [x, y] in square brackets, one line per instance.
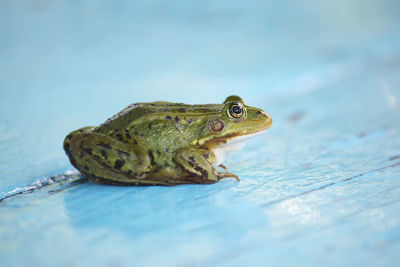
[162, 143]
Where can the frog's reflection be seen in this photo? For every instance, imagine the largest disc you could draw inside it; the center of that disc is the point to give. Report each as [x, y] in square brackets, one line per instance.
[137, 210]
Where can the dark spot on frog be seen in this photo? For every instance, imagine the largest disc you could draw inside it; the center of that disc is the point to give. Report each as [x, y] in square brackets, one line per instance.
[123, 153]
[89, 151]
[128, 136]
[135, 133]
[86, 167]
[69, 137]
[118, 164]
[97, 157]
[119, 136]
[189, 121]
[158, 152]
[258, 112]
[166, 164]
[204, 173]
[206, 155]
[135, 142]
[103, 153]
[149, 126]
[129, 171]
[103, 145]
[182, 110]
[191, 161]
[168, 117]
[199, 169]
[151, 156]
[166, 149]
[176, 119]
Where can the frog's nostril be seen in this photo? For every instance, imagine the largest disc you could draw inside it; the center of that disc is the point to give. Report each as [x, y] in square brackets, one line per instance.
[264, 116]
[261, 114]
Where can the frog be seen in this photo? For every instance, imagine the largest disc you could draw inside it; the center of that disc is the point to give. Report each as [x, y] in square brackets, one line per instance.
[163, 143]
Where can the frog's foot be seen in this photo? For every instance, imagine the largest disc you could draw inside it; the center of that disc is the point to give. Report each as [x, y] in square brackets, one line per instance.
[105, 160]
[193, 161]
[223, 175]
[67, 142]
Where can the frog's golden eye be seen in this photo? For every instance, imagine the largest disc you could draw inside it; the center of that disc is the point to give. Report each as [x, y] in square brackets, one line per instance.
[236, 110]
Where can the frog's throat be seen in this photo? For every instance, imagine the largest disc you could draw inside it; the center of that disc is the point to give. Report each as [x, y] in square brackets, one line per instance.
[227, 149]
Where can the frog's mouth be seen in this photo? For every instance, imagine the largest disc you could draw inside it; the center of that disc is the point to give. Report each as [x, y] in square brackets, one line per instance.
[236, 137]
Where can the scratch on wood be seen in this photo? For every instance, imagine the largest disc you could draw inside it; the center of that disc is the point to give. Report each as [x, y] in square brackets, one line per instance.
[30, 190]
[394, 158]
[60, 179]
[328, 185]
[369, 208]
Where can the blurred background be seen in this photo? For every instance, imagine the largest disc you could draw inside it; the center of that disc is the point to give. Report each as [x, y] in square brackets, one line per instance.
[327, 72]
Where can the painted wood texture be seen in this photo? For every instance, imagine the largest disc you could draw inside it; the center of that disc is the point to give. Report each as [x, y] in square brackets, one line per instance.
[321, 187]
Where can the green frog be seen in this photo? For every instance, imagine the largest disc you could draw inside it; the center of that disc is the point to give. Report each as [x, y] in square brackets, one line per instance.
[164, 143]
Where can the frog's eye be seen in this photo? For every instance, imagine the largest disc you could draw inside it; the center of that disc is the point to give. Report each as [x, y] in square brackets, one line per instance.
[236, 110]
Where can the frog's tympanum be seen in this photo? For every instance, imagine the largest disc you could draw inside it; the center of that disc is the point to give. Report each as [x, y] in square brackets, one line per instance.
[163, 143]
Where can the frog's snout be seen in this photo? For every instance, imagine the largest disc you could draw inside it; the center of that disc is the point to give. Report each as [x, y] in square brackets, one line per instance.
[264, 118]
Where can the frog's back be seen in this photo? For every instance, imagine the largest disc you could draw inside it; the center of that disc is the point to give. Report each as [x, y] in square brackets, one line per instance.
[136, 111]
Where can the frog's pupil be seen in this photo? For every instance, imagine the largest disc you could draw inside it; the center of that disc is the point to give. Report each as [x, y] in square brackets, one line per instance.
[237, 110]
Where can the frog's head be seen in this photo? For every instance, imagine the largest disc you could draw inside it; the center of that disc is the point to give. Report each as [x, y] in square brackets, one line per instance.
[234, 120]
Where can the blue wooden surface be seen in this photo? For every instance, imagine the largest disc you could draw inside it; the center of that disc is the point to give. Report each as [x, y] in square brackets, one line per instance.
[321, 187]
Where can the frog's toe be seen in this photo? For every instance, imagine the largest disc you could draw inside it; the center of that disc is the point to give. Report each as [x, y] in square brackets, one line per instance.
[222, 166]
[223, 175]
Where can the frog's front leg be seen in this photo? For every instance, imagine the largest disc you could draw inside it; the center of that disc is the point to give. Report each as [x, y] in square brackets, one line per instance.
[104, 159]
[195, 161]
